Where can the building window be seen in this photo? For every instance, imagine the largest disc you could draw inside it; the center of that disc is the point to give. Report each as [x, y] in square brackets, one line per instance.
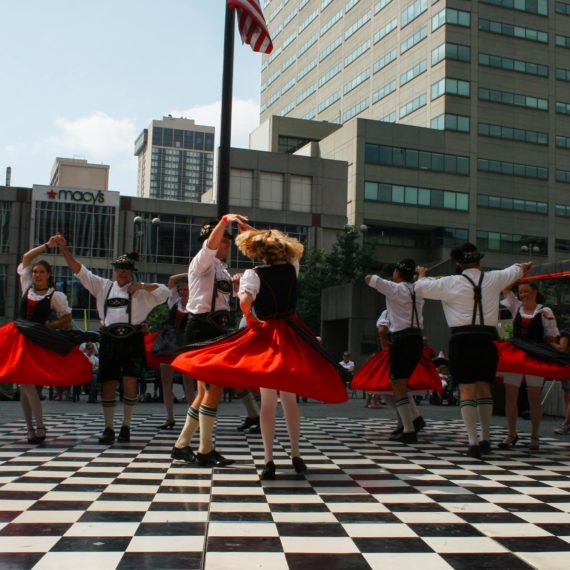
[510, 243]
[515, 99]
[330, 48]
[457, 52]
[330, 74]
[516, 65]
[385, 30]
[352, 57]
[562, 8]
[563, 176]
[330, 23]
[450, 86]
[562, 210]
[451, 122]
[330, 100]
[356, 110]
[562, 108]
[413, 105]
[512, 204]
[412, 73]
[271, 191]
[384, 91]
[380, 5]
[416, 159]
[414, 196]
[5, 211]
[451, 16]
[412, 12]
[360, 78]
[364, 19]
[519, 32]
[413, 40]
[241, 187]
[300, 193]
[510, 133]
[512, 169]
[563, 41]
[539, 7]
[562, 245]
[385, 60]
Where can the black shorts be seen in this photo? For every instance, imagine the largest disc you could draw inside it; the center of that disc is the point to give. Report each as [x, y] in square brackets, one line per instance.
[473, 358]
[201, 329]
[405, 353]
[118, 358]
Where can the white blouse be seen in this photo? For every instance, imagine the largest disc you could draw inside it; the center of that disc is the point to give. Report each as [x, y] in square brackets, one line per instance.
[59, 302]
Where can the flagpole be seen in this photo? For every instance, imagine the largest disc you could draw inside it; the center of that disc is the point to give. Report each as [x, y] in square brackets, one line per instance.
[226, 118]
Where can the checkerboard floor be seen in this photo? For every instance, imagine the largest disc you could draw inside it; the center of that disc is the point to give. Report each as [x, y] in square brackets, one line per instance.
[365, 502]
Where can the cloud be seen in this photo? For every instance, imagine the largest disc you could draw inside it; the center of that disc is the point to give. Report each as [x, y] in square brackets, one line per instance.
[98, 136]
[245, 118]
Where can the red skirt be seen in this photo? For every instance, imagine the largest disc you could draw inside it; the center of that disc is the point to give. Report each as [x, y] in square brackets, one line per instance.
[374, 376]
[513, 359]
[154, 360]
[25, 362]
[273, 356]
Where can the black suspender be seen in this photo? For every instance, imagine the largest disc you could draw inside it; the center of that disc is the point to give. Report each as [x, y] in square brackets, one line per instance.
[414, 308]
[107, 298]
[477, 299]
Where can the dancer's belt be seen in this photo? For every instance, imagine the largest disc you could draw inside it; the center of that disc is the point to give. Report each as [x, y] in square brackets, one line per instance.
[412, 331]
[218, 319]
[120, 331]
[480, 330]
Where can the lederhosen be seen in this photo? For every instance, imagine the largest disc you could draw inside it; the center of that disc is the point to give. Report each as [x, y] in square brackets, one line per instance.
[472, 354]
[207, 326]
[407, 346]
[122, 350]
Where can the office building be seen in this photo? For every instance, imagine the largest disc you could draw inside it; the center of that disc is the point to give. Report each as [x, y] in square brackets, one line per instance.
[80, 174]
[175, 160]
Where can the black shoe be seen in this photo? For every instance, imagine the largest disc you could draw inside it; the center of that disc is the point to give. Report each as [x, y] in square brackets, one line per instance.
[299, 465]
[509, 441]
[212, 459]
[124, 435]
[419, 424]
[248, 423]
[268, 473]
[406, 437]
[255, 429]
[474, 451]
[485, 447]
[168, 424]
[185, 454]
[108, 436]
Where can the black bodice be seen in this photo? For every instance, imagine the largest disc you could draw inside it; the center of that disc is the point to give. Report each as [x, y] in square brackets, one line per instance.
[40, 312]
[177, 320]
[534, 331]
[277, 297]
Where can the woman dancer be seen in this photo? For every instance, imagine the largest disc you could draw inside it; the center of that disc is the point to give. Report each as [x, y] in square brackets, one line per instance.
[536, 323]
[123, 305]
[276, 352]
[26, 358]
[175, 325]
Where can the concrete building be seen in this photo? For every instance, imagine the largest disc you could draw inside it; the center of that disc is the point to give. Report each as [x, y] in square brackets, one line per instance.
[175, 159]
[78, 173]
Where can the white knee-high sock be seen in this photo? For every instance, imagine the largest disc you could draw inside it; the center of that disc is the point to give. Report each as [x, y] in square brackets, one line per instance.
[414, 407]
[207, 426]
[292, 419]
[405, 411]
[190, 426]
[485, 411]
[128, 409]
[109, 407]
[469, 414]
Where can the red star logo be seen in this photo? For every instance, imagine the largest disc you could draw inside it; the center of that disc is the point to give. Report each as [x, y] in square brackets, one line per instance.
[52, 194]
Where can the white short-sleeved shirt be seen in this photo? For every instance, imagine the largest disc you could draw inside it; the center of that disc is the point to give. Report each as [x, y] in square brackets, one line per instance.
[204, 269]
[399, 303]
[59, 302]
[383, 320]
[456, 294]
[250, 282]
[142, 301]
[548, 319]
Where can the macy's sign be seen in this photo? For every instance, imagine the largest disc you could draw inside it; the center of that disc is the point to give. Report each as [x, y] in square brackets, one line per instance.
[77, 196]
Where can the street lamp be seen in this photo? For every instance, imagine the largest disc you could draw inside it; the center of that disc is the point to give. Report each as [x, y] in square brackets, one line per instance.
[530, 249]
[156, 223]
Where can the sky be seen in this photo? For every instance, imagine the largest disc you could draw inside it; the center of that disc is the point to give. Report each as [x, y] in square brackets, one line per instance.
[82, 78]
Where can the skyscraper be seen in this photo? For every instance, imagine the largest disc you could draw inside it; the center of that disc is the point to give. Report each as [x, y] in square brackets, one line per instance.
[175, 159]
[479, 94]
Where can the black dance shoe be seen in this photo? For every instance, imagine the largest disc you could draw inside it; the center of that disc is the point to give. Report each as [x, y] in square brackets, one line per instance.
[419, 424]
[249, 423]
[485, 447]
[406, 437]
[399, 429]
[268, 473]
[168, 424]
[108, 436]
[124, 435]
[299, 465]
[509, 441]
[212, 459]
[474, 451]
[185, 454]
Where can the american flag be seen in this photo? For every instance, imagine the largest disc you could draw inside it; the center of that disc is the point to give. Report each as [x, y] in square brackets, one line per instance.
[252, 26]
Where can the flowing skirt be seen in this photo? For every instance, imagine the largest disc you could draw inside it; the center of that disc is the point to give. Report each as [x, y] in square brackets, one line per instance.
[513, 359]
[22, 361]
[279, 355]
[374, 376]
[154, 360]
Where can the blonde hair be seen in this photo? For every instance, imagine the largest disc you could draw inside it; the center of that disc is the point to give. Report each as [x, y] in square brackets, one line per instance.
[271, 246]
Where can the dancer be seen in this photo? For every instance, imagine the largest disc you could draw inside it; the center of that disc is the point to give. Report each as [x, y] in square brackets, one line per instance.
[472, 354]
[404, 308]
[123, 305]
[535, 323]
[31, 351]
[276, 352]
[210, 286]
[170, 339]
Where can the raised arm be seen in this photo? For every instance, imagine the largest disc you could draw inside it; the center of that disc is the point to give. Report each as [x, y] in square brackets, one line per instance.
[217, 234]
[74, 265]
[173, 279]
[29, 256]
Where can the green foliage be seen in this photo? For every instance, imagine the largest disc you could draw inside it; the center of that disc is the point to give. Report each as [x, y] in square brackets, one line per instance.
[157, 318]
[348, 262]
